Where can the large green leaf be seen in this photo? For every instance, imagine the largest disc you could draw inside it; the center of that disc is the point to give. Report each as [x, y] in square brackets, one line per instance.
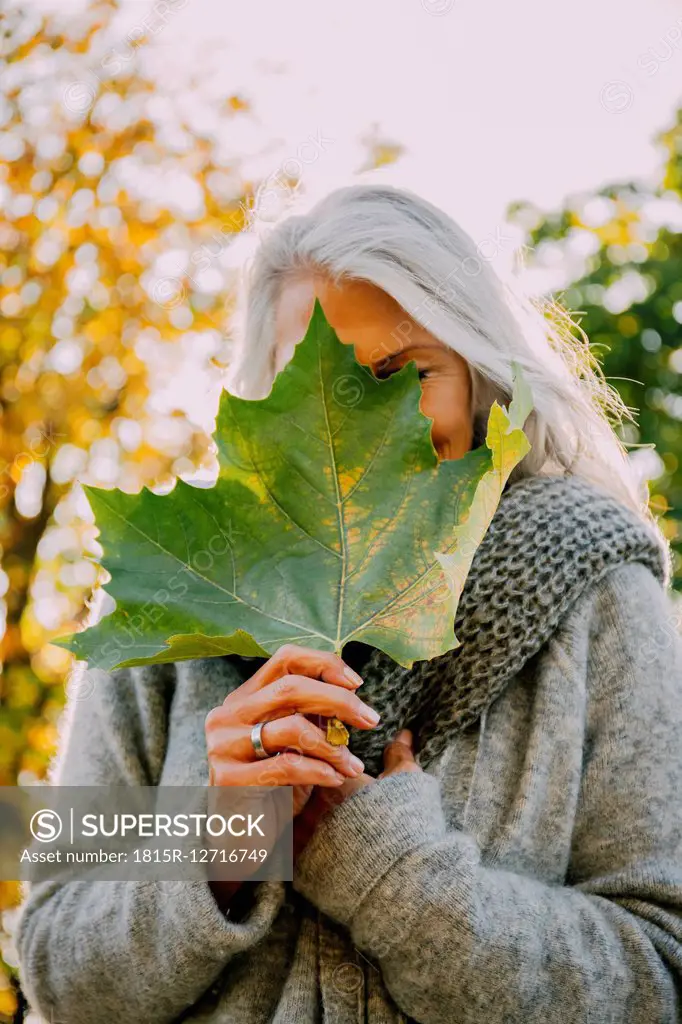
[332, 520]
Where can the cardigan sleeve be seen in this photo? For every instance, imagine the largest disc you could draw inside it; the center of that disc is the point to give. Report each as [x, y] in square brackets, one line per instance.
[123, 950]
[456, 939]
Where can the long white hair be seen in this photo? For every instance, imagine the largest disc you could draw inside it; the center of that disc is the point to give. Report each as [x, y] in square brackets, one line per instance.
[415, 252]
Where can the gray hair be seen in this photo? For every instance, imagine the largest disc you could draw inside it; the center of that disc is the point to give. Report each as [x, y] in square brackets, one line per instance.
[415, 252]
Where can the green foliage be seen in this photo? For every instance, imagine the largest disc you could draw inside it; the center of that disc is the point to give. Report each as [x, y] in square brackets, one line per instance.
[332, 519]
[623, 249]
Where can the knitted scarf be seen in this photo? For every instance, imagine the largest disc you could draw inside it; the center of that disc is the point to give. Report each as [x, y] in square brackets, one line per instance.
[549, 540]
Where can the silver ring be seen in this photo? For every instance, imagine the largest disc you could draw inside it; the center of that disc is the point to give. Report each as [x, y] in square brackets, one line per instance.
[257, 743]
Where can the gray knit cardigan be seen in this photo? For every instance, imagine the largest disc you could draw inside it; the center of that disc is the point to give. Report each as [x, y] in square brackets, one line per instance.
[531, 872]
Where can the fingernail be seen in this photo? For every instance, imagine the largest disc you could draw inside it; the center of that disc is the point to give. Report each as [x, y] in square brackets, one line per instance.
[356, 763]
[371, 716]
[352, 676]
[339, 776]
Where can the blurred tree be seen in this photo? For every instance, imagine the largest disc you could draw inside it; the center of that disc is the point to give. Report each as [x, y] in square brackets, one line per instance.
[121, 193]
[98, 183]
[617, 255]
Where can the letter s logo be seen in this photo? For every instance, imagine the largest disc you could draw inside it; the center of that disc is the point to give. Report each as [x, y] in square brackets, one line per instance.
[46, 826]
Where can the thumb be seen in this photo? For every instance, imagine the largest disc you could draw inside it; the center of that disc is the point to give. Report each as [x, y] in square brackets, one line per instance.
[399, 753]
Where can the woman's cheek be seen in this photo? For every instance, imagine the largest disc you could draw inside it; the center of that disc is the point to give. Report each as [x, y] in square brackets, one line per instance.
[452, 431]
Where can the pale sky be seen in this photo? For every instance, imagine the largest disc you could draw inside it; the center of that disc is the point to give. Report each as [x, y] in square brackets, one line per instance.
[494, 101]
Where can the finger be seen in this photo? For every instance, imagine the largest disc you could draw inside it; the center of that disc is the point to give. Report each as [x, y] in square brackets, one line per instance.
[300, 693]
[292, 659]
[289, 769]
[293, 732]
[399, 751]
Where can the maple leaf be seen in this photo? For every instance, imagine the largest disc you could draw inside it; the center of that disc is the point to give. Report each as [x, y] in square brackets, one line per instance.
[332, 520]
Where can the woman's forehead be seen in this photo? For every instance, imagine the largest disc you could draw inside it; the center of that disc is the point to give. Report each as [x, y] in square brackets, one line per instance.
[360, 312]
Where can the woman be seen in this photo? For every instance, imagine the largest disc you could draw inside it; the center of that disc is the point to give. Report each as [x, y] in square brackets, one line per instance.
[510, 849]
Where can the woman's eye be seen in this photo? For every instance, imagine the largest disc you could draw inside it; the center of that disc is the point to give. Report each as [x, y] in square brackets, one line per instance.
[383, 373]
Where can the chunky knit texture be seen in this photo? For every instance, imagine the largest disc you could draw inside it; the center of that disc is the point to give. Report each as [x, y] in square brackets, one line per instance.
[532, 872]
[548, 540]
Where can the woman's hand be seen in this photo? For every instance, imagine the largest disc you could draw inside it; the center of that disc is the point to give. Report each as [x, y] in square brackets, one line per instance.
[398, 757]
[294, 683]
